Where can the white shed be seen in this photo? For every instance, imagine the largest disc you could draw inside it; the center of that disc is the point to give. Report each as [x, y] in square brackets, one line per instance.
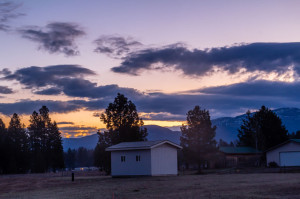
[149, 158]
[285, 154]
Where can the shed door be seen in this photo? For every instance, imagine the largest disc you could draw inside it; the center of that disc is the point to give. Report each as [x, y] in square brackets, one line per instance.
[290, 158]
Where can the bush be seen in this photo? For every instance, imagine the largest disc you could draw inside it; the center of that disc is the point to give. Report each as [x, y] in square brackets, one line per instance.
[273, 164]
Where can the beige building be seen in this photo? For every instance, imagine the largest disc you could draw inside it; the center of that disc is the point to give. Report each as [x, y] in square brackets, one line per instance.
[285, 154]
[148, 158]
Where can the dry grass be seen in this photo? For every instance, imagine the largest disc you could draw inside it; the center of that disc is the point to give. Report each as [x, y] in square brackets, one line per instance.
[271, 185]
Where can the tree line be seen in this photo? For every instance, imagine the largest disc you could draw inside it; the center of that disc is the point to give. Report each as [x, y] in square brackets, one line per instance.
[37, 148]
[80, 157]
[262, 130]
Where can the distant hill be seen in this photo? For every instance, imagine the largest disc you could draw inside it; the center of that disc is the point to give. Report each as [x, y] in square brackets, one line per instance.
[226, 129]
[154, 133]
[88, 142]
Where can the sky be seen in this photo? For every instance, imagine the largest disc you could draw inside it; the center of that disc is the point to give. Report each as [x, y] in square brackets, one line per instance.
[165, 56]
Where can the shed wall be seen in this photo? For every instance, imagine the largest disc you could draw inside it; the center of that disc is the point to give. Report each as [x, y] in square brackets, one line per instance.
[130, 166]
[164, 160]
[274, 155]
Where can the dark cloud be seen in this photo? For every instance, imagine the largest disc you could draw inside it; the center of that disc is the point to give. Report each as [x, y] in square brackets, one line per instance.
[220, 101]
[267, 57]
[55, 37]
[96, 114]
[35, 76]
[5, 72]
[5, 90]
[115, 46]
[67, 79]
[49, 91]
[163, 116]
[78, 128]
[28, 106]
[8, 11]
[258, 89]
[65, 123]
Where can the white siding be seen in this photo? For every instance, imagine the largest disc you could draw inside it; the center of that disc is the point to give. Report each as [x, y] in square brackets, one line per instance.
[131, 166]
[274, 155]
[164, 160]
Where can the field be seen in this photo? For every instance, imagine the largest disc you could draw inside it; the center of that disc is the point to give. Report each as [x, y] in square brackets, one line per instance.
[93, 185]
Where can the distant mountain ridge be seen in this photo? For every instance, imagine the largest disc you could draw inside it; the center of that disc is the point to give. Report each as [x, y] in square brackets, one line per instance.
[227, 129]
[154, 133]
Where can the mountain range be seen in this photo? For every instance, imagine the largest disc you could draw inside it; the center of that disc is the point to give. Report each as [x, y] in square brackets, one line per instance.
[227, 129]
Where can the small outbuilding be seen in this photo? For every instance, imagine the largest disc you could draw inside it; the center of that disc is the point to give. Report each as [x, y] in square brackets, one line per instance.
[240, 156]
[285, 154]
[145, 158]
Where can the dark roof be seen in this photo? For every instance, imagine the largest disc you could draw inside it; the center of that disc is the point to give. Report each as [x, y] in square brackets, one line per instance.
[140, 145]
[295, 140]
[238, 150]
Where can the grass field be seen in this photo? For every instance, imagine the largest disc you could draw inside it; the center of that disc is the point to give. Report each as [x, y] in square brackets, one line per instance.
[93, 185]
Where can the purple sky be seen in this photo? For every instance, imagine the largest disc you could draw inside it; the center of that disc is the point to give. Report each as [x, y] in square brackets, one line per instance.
[166, 56]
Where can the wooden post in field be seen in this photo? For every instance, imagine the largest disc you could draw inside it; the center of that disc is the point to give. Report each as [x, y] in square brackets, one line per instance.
[72, 176]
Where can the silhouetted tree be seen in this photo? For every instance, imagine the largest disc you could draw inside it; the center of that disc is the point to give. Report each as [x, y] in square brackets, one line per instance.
[55, 147]
[18, 143]
[4, 153]
[262, 130]
[123, 125]
[198, 136]
[295, 135]
[70, 158]
[45, 142]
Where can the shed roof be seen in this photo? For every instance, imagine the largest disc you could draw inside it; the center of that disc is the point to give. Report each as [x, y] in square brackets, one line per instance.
[295, 140]
[238, 150]
[140, 145]
[283, 143]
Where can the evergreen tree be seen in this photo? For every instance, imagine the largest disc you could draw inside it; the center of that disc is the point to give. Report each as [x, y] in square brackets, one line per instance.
[4, 153]
[55, 147]
[122, 121]
[197, 137]
[45, 142]
[70, 158]
[123, 125]
[262, 130]
[18, 146]
[35, 130]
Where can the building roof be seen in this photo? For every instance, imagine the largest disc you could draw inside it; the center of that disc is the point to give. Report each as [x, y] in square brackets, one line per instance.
[283, 143]
[140, 145]
[238, 150]
[295, 140]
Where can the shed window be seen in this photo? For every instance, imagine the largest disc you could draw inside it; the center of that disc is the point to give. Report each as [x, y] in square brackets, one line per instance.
[138, 158]
[123, 158]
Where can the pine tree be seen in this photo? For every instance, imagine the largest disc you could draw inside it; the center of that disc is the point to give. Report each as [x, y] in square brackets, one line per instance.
[19, 146]
[262, 130]
[123, 125]
[4, 154]
[35, 130]
[46, 142]
[55, 147]
[122, 121]
[197, 137]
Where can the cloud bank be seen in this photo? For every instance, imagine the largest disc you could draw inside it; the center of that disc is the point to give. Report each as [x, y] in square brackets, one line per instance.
[267, 57]
[221, 101]
[65, 79]
[56, 37]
